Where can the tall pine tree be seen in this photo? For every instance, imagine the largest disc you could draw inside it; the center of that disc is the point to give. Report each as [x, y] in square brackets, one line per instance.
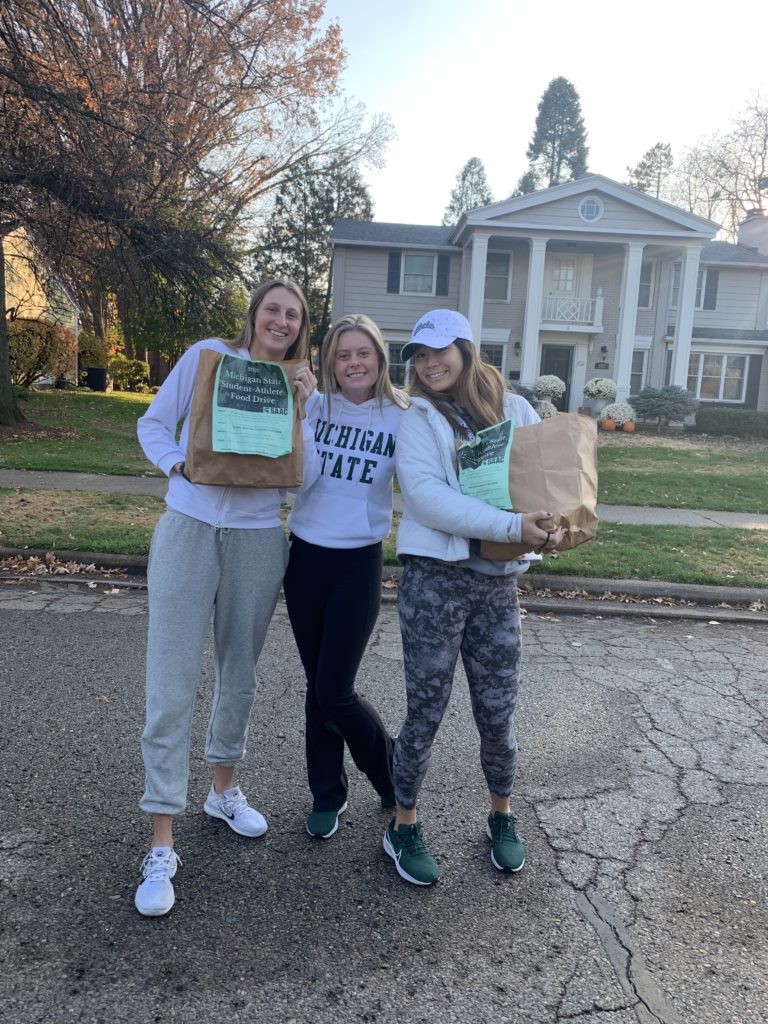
[655, 167]
[294, 242]
[559, 143]
[470, 191]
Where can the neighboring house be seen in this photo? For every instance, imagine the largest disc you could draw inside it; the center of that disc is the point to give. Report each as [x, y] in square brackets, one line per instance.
[587, 279]
[32, 290]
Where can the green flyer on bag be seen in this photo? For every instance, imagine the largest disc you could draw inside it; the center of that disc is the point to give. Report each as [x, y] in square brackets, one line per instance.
[252, 408]
[484, 465]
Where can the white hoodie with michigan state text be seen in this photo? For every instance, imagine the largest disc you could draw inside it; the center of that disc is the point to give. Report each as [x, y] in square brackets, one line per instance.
[350, 503]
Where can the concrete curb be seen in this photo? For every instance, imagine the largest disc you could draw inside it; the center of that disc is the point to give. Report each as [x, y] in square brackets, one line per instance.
[539, 592]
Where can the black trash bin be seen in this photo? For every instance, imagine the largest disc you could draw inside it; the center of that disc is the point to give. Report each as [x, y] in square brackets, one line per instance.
[98, 378]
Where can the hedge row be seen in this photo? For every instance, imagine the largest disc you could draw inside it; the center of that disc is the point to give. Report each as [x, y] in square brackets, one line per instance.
[734, 422]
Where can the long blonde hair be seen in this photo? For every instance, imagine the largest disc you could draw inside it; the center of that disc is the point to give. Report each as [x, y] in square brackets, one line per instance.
[382, 389]
[479, 391]
[300, 349]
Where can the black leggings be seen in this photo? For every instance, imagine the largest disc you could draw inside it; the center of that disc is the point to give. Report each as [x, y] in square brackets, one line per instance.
[333, 597]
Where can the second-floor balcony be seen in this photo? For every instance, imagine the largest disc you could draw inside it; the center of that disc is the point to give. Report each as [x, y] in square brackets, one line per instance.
[572, 313]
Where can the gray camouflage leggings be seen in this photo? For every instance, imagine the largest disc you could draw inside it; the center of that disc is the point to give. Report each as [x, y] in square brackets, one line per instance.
[446, 610]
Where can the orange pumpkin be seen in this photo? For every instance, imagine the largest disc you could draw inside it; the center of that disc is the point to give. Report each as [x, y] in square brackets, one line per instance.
[608, 424]
[629, 427]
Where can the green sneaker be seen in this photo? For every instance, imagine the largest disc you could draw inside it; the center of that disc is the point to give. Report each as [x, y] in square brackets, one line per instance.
[507, 850]
[322, 824]
[405, 846]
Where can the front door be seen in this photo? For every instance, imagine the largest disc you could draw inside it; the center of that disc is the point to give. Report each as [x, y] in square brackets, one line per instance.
[558, 359]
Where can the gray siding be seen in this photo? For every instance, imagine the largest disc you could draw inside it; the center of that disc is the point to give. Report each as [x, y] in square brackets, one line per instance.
[364, 290]
[617, 217]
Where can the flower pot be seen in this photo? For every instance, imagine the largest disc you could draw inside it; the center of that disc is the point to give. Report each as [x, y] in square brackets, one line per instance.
[629, 427]
[608, 424]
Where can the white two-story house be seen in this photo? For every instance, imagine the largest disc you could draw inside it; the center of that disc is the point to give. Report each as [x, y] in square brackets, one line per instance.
[586, 279]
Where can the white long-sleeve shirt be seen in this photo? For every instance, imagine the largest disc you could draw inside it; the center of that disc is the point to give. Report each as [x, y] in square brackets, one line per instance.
[349, 505]
[229, 507]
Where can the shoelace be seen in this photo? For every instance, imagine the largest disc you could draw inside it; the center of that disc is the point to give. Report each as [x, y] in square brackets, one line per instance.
[157, 866]
[236, 802]
[505, 825]
[413, 840]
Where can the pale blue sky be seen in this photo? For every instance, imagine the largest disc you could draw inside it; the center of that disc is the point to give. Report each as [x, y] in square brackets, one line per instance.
[463, 78]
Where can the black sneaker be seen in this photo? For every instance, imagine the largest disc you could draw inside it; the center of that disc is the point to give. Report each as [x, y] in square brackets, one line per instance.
[507, 850]
[405, 846]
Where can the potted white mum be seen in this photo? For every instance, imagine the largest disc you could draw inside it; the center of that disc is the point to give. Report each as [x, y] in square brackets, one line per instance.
[549, 386]
[600, 391]
[545, 409]
[617, 414]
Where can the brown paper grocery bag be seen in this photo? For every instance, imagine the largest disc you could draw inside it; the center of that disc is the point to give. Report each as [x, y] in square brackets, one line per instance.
[553, 465]
[229, 469]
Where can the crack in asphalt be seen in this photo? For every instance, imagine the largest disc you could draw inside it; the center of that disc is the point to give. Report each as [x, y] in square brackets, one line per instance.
[674, 733]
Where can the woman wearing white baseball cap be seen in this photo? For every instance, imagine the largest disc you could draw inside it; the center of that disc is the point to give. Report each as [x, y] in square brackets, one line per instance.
[451, 600]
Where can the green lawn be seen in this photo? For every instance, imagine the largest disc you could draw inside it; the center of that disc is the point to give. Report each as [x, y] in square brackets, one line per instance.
[122, 524]
[92, 432]
[694, 473]
[678, 554]
[97, 434]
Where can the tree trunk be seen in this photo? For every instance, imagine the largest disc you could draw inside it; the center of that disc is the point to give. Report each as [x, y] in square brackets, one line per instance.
[9, 407]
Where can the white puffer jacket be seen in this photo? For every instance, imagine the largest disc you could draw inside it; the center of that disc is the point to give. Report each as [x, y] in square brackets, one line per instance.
[439, 519]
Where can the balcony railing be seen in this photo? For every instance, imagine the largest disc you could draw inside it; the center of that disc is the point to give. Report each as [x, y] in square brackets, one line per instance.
[571, 312]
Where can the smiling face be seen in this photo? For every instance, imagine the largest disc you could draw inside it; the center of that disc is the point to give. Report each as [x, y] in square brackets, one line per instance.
[439, 369]
[356, 366]
[276, 325]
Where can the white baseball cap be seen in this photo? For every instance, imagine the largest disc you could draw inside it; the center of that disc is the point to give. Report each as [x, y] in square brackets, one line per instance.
[437, 329]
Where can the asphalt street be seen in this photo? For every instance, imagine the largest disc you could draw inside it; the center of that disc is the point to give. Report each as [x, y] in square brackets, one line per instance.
[642, 796]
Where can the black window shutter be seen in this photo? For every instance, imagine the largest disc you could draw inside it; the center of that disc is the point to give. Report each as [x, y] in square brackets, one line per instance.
[710, 289]
[443, 274]
[668, 368]
[393, 272]
[753, 382]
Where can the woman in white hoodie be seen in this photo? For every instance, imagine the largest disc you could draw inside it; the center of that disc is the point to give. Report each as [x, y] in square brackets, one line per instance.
[333, 582]
[451, 600]
[220, 551]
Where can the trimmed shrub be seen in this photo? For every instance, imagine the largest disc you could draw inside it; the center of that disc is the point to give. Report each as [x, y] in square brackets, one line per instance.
[664, 404]
[129, 374]
[38, 349]
[92, 351]
[721, 421]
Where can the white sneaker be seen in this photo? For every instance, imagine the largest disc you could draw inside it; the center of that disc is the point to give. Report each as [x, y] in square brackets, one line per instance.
[155, 895]
[232, 807]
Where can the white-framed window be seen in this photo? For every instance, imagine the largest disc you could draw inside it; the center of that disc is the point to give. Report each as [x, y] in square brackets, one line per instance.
[498, 276]
[647, 277]
[494, 354]
[637, 375]
[418, 274]
[717, 376]
[398, 370]
[591, 209]
[701, 288]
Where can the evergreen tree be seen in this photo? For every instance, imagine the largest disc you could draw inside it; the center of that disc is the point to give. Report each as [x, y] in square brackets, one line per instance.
[528, 182]
[559, 138]
[470, 191]
[651, 174]
[294, 242]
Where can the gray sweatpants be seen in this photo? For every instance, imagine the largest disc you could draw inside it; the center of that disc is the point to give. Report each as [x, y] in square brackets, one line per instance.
[195, 569]
[445, 611]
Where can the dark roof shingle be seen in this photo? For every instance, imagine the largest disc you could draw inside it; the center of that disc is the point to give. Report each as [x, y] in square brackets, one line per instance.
[348, 230]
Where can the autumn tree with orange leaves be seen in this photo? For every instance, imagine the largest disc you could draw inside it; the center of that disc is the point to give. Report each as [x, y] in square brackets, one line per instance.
[137, 137]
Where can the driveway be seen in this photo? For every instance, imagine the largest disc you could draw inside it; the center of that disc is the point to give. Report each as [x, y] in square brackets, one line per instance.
[642, 797]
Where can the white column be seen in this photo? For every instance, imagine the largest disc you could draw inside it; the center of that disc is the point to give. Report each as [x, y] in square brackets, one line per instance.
[530, 358]
[477, 286]
[686, 299]
[625, 338]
